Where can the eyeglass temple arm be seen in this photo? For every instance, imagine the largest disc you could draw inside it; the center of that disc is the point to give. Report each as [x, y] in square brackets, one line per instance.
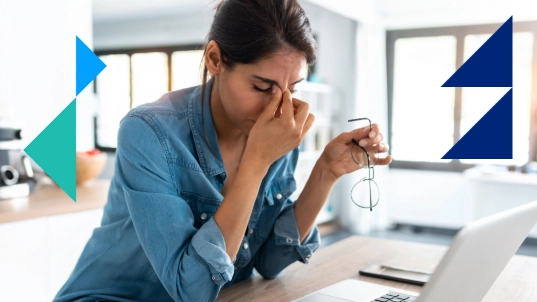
[369, 173]
[361, 119]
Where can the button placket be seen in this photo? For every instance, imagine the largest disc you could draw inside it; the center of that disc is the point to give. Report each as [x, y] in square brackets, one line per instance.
[244, 254]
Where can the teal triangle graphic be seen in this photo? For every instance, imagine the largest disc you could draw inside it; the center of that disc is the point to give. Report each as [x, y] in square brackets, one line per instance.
[54, 150]
[88, 66]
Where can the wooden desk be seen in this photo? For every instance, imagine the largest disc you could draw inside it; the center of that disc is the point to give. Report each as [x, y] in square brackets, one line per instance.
[49, 199]
[342, 260]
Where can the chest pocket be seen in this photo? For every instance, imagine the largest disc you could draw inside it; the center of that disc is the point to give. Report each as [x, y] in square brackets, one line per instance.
[280, 189]
[203, 208]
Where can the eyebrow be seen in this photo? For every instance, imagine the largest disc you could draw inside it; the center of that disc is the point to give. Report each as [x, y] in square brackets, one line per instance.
[272, 81]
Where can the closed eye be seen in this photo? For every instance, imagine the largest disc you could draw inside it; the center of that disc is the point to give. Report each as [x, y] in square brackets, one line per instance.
[268, 90]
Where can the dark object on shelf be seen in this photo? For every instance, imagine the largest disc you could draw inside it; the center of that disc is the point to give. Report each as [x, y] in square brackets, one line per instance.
[16, 173]
[512, 168]
[8, 134]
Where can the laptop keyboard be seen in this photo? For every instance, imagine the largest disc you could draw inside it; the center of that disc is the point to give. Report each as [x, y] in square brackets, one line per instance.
[393, 296]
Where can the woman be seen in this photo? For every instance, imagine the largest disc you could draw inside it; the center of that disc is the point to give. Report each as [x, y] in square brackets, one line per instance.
[203, 175]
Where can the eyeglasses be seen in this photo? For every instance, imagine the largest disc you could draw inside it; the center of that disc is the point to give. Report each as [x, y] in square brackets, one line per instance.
[366, 189]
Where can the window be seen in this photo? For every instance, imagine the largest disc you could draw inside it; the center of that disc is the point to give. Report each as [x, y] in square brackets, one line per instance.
[137, 76]
[426, 120]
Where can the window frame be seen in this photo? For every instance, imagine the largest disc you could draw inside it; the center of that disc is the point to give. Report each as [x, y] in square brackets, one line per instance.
[168, 50]
[459, 32]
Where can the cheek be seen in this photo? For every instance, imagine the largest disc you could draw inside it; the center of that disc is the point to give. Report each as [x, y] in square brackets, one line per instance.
[242, 105]
[248, 102]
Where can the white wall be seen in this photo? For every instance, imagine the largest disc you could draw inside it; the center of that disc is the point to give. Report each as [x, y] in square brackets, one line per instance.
[425, 13]
[37, 63]
[152, 31]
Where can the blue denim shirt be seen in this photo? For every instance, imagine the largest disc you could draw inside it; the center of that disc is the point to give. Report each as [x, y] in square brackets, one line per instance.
[158, 240]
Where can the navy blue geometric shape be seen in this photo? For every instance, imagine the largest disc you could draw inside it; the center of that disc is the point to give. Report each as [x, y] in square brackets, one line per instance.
[491, 65]
[491, 137]
[88, 65]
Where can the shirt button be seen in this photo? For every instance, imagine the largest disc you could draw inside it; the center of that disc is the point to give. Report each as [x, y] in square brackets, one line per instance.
[245, 245]
[308, 257]
[278, 196]
[203, 216]
[213, 278]
[289, 240]
[251, 231]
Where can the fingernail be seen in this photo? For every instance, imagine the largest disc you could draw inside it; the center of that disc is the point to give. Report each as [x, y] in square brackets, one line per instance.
[274, 89]
[372, 134]
[363, 143]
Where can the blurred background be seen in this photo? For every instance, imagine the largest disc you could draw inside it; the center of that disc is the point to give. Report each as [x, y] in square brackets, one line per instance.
[381, 59]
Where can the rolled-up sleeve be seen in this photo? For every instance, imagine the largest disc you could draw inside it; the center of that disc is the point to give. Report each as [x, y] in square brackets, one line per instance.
[191, 264]
[283, 247]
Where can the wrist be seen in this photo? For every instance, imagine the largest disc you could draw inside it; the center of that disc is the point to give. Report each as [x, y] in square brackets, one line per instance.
[251, 161]
[326, 173]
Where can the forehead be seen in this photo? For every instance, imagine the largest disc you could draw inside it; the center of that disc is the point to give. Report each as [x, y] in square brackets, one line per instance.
[279, 65]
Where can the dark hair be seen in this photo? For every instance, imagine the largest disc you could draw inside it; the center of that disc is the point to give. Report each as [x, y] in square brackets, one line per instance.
[249, 30]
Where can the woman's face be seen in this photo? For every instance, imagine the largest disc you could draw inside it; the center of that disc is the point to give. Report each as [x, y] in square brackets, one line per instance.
[245, 92]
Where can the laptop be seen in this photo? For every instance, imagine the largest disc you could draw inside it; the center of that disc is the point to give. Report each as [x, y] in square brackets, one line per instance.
[477, 255]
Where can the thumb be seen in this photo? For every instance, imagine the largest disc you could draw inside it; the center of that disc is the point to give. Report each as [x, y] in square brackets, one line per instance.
[346, 137]
[274, 103]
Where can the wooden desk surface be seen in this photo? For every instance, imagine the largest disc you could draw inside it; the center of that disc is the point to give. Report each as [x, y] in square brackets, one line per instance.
[49, 199]
[342, 260]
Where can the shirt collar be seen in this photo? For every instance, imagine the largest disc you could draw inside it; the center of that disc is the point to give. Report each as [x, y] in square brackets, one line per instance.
[211, 161]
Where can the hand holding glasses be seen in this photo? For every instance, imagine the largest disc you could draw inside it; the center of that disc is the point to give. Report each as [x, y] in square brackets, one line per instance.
[365, 193]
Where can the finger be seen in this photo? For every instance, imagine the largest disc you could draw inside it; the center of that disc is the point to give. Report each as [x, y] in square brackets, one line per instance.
[367, 142]
[273, 105]
[371, 132]
[308, 124]
[302, 113]
[287, 106]
[374, 130]
[357, 134]
[380, 147]
[384, 160]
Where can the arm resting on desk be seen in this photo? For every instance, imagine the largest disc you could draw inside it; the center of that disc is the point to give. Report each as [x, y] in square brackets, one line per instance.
[283, 246]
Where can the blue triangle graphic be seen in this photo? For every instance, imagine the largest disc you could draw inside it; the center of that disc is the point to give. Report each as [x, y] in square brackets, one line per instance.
[491, 137]
[88, 65]
[491, 65]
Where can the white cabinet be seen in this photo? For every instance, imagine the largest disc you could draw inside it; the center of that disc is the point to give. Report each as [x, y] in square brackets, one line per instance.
[494, 192]
[452, 199]
[37, 255]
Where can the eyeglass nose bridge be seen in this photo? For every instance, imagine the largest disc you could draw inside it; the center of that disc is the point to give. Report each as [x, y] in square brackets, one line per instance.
[371, 170]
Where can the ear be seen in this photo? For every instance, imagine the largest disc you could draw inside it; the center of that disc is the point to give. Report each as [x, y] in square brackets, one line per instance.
[212, 58]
